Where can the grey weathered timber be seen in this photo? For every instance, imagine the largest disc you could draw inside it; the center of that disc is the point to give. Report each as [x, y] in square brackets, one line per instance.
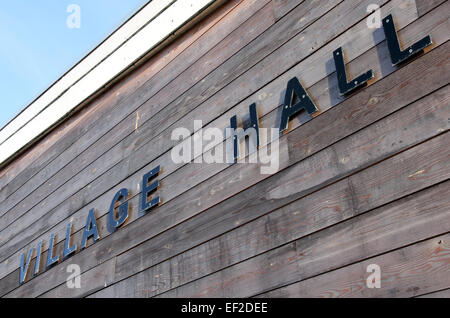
[111, 172]
[415, 88]
[110, 153]
[281, 7]
[81, 220]
[406, 272]
[388, 181]
[327, 176]
[437, 294]
[100, 108]
[364, 178]
[172, 190]
[380, 231]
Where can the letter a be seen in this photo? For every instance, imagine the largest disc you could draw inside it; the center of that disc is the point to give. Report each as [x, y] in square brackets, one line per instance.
[289, 110]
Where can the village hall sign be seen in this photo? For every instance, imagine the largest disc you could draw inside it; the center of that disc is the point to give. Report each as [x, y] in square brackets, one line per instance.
[119, 209]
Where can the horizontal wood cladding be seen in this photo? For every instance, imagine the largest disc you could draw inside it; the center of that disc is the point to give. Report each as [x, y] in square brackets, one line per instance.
[365, 180]
[89, 191]
[33, 162]
[438, 294]
[319, 210]
[421, 267]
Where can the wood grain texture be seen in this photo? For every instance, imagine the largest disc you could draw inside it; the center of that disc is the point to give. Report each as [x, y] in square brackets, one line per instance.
[70, 168]
[382, 230]
[49, 219]
[423, 6]
[438, 294]
[387, 88]
[404, 273]
[138, 159]
[173, 190]
[77, 126]
[282, 7]
[101, 163]
[381, 145]
[391, 183]
[76, 182]
[323, 173]
[58, 184]
[318, 210]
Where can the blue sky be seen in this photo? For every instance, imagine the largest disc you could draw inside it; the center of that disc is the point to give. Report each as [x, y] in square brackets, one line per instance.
[37, 46]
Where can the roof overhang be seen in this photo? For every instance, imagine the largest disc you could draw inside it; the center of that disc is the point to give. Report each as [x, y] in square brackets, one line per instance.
[143, 35]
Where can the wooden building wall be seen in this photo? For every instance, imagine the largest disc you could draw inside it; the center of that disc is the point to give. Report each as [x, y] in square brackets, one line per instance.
[365, 181]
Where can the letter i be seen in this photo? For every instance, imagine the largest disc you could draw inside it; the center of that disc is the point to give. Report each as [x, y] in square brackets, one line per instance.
[38, 259]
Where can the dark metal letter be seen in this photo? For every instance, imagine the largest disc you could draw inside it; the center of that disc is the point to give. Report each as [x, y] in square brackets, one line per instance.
[290, 110]
[69, 250]
[38, 259]
[397, 55]
[117, 218]
[254, 123]
[149, 189]
[50, 259]
[346, 87]
[24, 266]
[90, 229]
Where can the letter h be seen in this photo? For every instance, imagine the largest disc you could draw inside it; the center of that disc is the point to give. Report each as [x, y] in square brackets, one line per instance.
[250, 129]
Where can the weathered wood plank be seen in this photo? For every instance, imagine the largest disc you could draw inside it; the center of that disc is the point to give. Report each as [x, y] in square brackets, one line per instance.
[357, 41]
[390, 178]
[424, 6]
[267, 43]
[62, 231]
[397, 128]
[97, 170]
[379, 231]
[92, 173]
[223, 120]
[185, 61]
[321, 209]
[439, 294]
[59, 186]
[15, 178]
[270, 120]
[9, 282]
[282, 7]
[203, 177]
[404, 273]
[103, 275]
[315, 80]
[339, 128]
[95, 269]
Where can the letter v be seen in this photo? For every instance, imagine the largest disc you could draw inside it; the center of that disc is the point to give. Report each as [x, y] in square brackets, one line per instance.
[24, 266]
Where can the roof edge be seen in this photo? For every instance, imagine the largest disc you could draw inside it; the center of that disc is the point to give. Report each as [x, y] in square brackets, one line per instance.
[152, 28]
